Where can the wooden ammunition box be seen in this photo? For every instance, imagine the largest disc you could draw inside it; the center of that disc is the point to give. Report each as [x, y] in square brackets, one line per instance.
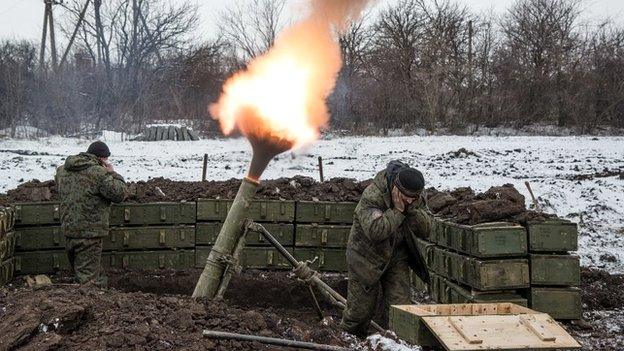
[485, 240]
[560, 303]
[7, 267]
[165, 259]
[322, 235]
[253, 257]
[7, 246]
[207, 232]
[37, 213]
[7, 220]
[325, 212]
[458, 294]
[426, 250]
[119, 238]
[39, 238]
[554, 235]
[259, 211]
[479, 326]
[560, 270]
[41, 262]
[149, 238]
[481, 274]
[127, 214]
[334, 260]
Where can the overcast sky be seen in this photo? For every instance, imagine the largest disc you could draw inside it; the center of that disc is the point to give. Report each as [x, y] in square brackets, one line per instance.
[22, 19]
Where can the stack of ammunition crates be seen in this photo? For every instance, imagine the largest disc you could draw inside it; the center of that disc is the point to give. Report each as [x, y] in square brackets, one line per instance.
[7, 244]
[555, 274]
[322, 231]
[504, 262]
[276, 216]
[143, 236]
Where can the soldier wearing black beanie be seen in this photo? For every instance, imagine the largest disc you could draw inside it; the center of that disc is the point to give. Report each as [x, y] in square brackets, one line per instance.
[99, 149]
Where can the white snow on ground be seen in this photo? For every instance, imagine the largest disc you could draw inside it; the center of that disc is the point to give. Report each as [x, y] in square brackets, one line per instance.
[547, 162]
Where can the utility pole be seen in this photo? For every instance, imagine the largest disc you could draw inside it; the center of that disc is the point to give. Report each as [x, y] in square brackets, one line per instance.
[76, 29]
[48, 24]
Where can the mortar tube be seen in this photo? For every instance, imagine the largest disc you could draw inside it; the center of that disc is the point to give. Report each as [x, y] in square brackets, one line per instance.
[231, 232]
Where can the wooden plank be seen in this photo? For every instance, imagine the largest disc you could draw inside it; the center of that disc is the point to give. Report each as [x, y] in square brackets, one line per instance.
[537, 328]
[470, 336]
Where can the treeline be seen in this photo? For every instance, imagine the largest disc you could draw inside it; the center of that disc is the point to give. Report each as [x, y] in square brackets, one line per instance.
[416, 64]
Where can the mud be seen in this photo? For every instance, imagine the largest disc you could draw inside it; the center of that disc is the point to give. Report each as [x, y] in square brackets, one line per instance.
[500, 203]
[141, 310]
[160, 189]
[152, 310]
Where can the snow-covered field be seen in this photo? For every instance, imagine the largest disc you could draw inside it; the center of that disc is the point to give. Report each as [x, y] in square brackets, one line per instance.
[548, 163]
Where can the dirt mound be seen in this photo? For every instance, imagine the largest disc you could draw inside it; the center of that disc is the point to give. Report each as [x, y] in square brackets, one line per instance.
[161, 189]
[71, 317]
[601, 290]
[499, 203]
[296, 188]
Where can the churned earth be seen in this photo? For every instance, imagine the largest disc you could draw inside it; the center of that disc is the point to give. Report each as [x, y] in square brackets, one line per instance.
[153, 310]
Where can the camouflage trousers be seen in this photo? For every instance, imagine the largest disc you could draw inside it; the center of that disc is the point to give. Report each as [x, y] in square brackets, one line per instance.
[85, 258]
[362, 302]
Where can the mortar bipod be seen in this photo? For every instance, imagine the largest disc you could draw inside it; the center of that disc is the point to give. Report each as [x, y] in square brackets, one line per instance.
[305, 273]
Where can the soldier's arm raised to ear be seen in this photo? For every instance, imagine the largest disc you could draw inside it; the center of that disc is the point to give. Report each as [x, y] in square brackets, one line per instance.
[419, 219]
[377, 224]
[113, 187]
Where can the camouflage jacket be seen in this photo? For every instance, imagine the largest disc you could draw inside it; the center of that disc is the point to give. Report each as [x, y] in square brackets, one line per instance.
[86, 191]
[380, 233]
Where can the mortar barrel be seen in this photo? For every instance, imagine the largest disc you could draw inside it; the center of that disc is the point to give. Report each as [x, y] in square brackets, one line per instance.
[231, 232]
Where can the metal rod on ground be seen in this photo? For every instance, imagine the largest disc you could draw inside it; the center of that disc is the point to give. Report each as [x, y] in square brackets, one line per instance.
[320, 165]
[535, 203]
[205, 168]
[271, 341]
[325, 289]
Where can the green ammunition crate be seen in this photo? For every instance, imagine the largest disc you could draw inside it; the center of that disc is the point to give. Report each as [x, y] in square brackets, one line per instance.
[559, 303]
[417, 283]
[207, 233]
[322, 235]
[253, 257]
[142, 238]
[458, 294]
[7, 268]
[37, 213]
[41, 262]
[334, 260]
[39, 238]
[260, 211]
[325, 212]
[552, 236]
[119, 238]
[411, 328]
[485, 240]
[153, 213]
[7, 246]
[7, 220]
[555, 270]
[426, 250]
[174, 259]
[481, 274]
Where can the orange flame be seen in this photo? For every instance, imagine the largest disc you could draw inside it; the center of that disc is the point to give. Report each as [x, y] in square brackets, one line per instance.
[281, 95]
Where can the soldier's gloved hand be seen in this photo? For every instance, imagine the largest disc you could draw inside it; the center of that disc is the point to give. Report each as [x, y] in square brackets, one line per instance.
[397, 199]
[414, 207]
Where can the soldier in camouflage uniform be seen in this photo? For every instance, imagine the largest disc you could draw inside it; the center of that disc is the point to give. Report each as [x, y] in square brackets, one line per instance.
[87, 184]
[381, 247]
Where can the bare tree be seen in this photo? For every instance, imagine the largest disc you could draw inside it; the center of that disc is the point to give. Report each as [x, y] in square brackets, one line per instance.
[252, 26]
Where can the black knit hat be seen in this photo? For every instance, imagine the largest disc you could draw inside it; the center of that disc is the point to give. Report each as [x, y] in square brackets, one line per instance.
[99, 149]
[410, 182]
